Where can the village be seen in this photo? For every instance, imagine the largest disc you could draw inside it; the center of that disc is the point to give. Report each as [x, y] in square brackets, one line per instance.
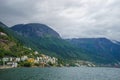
[36, 59]
[39, 61]
[25, 61]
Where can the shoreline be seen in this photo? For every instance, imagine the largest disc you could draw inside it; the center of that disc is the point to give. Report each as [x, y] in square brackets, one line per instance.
[9, 67]
[5, 67]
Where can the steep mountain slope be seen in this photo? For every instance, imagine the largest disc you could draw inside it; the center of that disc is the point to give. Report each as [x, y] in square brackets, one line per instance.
[100, 47]
[9, 45]
[49, 41]
[20, 38]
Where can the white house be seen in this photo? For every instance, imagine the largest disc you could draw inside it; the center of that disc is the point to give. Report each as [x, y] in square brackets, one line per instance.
[14, 64]
[5, 59]
[17, 59]
[36, 52]
[23, 58]
[11, 59]
[3, 34]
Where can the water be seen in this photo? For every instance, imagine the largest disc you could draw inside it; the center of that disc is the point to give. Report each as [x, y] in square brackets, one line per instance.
[72, 73]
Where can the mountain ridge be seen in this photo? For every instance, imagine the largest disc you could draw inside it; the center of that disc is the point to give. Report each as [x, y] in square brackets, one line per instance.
[54, 45]
[37, 30]
[98, 46]
[50, 45]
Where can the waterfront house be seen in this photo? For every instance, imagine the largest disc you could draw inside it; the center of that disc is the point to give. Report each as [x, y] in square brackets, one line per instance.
[31, 60]
[15, 64]
[23, 58]
[10, 59]
[17, 59]
[5, 59]
[12, 64]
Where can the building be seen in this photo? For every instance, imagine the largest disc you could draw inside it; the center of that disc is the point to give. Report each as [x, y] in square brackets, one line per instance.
[5, 59]
[36, 52]
[23, 58]
[3, 34]
[12, 64]
[31, 60]
[17, 59]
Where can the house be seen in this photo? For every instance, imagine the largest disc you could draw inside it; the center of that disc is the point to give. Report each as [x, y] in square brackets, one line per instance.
[36, 52]
[17, 59]
[23, 58]
[31, 60]
[5, 59]
[3, 34]
[37, 60]
[12, 64]
[10, 59]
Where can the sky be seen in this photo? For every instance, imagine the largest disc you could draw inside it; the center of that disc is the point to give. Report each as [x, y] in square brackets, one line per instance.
[70, 18]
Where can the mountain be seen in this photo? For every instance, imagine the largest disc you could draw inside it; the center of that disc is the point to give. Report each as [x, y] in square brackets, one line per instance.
[101, 47]
[45, 40]
[35, 30]
[49, 41]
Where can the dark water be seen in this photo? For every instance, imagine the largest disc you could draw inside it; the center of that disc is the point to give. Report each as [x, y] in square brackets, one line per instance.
[73, 73]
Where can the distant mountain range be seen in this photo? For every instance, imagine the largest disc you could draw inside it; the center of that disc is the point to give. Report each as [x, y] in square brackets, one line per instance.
[42, 38]
[102, 47]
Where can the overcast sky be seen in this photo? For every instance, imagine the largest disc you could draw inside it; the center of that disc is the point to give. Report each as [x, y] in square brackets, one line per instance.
[71, 18]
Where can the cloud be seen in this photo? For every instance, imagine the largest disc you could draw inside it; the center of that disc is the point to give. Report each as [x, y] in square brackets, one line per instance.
[72, 19]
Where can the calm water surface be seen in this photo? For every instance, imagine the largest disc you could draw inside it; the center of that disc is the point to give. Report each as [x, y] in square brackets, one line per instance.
[72, 73]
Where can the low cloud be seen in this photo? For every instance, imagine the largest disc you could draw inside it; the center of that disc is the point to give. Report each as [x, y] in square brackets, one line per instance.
[71, 18]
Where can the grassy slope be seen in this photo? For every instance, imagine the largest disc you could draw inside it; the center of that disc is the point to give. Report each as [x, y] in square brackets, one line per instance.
[10, 46]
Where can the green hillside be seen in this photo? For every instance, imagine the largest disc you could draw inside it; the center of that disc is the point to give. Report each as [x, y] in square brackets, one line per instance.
[10, 46]
[48, 41]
